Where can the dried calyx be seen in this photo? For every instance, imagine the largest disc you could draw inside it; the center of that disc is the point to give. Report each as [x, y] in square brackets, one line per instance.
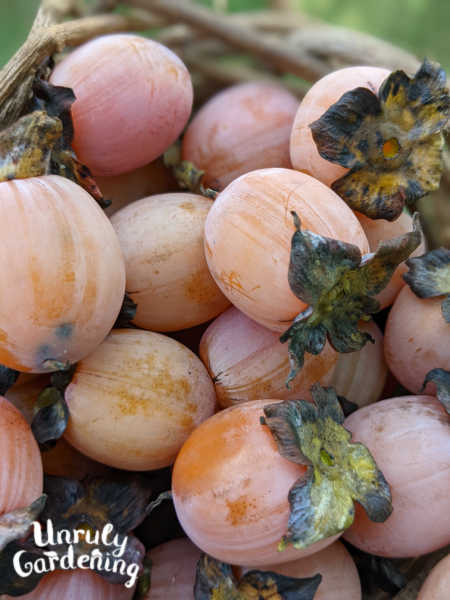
[51, 414]
[122, 501]
[39, 143]
[186, 174]
[429, 276]
[339, 286]
[338, 471]
[215, 581]
[16, 524]
[8, 377]
[441, 379]
[126, 314]
[392, 141]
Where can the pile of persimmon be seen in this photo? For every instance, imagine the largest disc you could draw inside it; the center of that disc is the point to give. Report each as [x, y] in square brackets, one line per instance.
[218, 319]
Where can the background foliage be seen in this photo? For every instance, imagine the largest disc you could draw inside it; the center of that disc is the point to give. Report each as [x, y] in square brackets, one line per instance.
[421, 26]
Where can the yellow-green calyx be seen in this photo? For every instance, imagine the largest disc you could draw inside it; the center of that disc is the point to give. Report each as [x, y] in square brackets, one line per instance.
[339, 285]
[391, 142]
[339, 471]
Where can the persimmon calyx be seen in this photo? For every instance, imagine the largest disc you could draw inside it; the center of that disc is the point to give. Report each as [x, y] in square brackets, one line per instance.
[39, 143]
[339, 471]
[392, 141]
[339, 285]
[126, 314]
[186, 174]
[441, 379]
[215, 581]
[86, 508]
[15, 524]
[51, 414]
[429, 276]
[8, 378]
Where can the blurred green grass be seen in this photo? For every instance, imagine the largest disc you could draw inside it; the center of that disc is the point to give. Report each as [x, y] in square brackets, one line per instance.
[417, 25]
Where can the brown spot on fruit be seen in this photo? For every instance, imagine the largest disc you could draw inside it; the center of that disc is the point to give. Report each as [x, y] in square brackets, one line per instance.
[238, 510]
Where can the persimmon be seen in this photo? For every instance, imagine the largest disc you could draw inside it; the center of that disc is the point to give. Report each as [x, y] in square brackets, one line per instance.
[437, 584]
[133, 99]
[24, 394]
[409, 437]
[248, 362]
[378, 230]
[340, 579]
[166, 272]
[77, 584]
[173, 570]
[360, 376]
[230, 489]
[64, 461]
[134, 400]
[150, 179]
[325, 92]
[240, 129]
[416, 339]
[248, 235]
[375, 137]
[20, 460]
[62, 273]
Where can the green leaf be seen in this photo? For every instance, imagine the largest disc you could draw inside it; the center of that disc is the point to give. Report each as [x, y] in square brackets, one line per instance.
[391, 142]
[339, 471]
[429, 276]
[339, 285]
[14, 525]
[441, 379]
[215, 581]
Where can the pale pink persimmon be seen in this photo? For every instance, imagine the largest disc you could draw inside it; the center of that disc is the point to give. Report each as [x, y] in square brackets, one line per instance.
[21, 478]
[61, 272]
[64, 461]
[242, 128]
[416, 339]
[166, 272]
[230, 488]
[134, 400]
[248, 362]
[248, 235]
[133, 99]
[325, 92]
[437, 584]
[360, 376]
[173, 570]
[378, 230]
[340, 579]
[77, 585]
[150, 179]
[409, 437]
